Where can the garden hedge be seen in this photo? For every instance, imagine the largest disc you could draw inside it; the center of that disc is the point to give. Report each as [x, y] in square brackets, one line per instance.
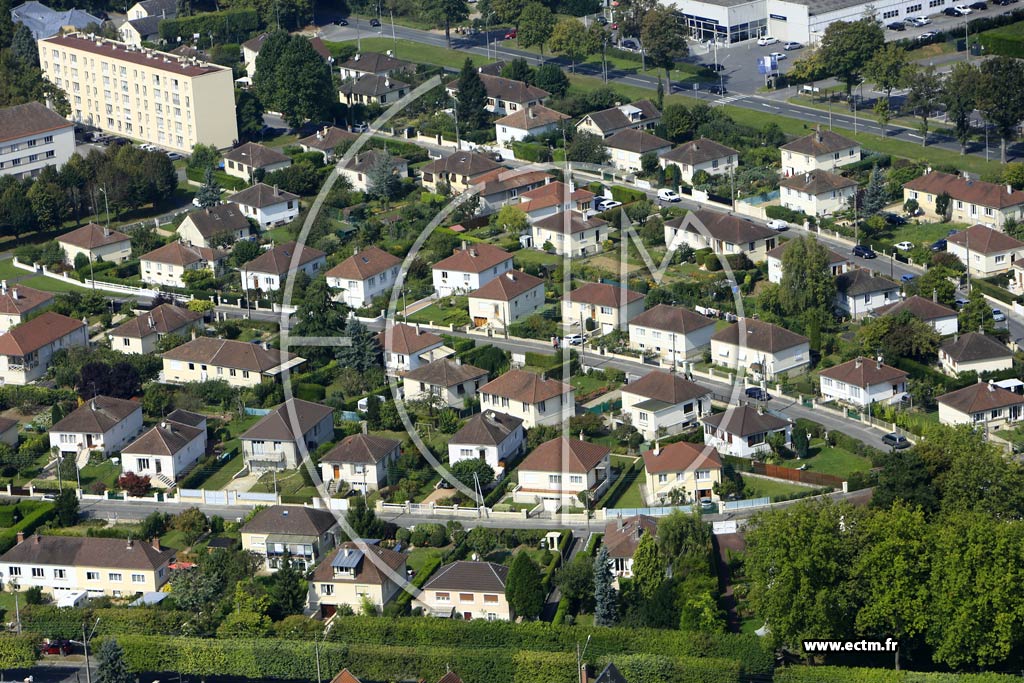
[18, 651]
[66, 622]
[291, 659]
[627, 194]
[29, 523]
[835, 674]
[224, 25]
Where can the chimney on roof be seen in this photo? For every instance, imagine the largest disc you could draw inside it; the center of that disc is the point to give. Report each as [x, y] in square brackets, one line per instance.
[277, 192]
[464, 245]
[510, 276]
[14, 293]
[21, 536]
[92, 403]
[991, 385]
[106, 232]
[807, 177]
[1009, 188]
[131, 544]
[473, 252]
[584, 674]
[531, 113]
[193, 334]
[760, 410]
[817, 133]
[39, 538]
[418, 330]
[657, 448]
[935, 296]
[356, 58]
[618, 522]
[856, 363]
[3, 286]
[581, 435]
[284, 513]
[152, 324]
[878, 363]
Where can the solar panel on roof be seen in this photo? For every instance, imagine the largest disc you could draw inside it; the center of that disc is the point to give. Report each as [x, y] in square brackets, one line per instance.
[348, 558]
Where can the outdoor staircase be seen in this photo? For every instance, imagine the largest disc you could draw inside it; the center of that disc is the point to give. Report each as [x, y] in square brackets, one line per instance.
[82, 459]
[163, 481]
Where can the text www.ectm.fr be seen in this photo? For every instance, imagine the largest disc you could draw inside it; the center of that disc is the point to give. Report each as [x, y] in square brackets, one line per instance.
[887, 645]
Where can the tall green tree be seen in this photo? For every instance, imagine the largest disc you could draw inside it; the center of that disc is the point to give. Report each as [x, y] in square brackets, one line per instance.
[571, 38]
[507, 11]
[536, 24]
[807, 281]
[23, 46]
[248, 115]
[875, 194]
[292, 78]
[362, 518]
[575, 579]
[605, 598]
[110, 664]
[976, 315]
[630, 15]
[319, 315]
[518, 69]
[209, 192]
[648, 566]
[899, 335]
[960, 97]
[586, 147]
[472, 98]
[364, 351]
[887, 69]
[66, 506]
[883, 112]
[287, 591]
[550, 77]
[847, 47]
[663, 36]
[1000, 91]
[445, 12]
[523, 587]
[923, 96]
[904, 477]
[382, 181]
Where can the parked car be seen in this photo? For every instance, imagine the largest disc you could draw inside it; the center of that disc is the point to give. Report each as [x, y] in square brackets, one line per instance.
[978, 6]
[715, 66]
[667, 195]
[897, 26]
[631, 45]
[896, 441]
[904, 245]
[998, 315]
[959, 303]
[778, 55]
[757, 394]
[511, 34]
[907, 277]
[964, 9]
[895, 219]
[921, 21]
[55, 646]
[341, 22]
[708, 505]
[864, 251]
[778, 224]
[195, 203]
[952, 12]
[791, 45]
[927, 35]
[602, 19]
[572, 340]
[767, 40]
[360, 128]
[939, 245]
[1004, 3]
[606, 204]
[174, 156]
[717, 89]
[375, 22]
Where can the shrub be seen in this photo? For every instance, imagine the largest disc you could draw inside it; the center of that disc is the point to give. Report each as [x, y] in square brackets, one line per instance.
[18, 651]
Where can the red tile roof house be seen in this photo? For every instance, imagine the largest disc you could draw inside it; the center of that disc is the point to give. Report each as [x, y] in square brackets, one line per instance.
[103, 424]
[505, 185]
[275, 442]
[468, 589]
[471, 267]
[512, 296]
[530, 397]
[363, 275]
[559, 470]
[141, 334]
[971, 201]
[662, 403]
[26, 350]
[18, 302]
[609, 307]
[407, 348]
[239, 363]
[622, 537]
[863, 381]
[269, 271]
[353, 575]
[168, 449]
[681, 472]
[985, 251]
[671, 333]
[983, 405]
[97, 243]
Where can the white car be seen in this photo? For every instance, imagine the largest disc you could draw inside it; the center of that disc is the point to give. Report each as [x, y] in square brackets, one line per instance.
[963, 9]
[921, 21]
[572, 340]
[360, 128]
[778, 224]
[904, 246]
[767, 40]
[195, 203]
[607, 204]
[778, 55]
[667, 195]
[791, 45]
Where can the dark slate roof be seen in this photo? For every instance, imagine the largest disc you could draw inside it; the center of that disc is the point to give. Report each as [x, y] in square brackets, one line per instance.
[375, 63]
[464, 575]
[722, 226]
[290, 520]
[217, 220]
[637, 141]
[444, 372]
[279, 259]
[862, 281]
[361, 448]
[29, 119]
[468, 164]
[97, 415]
[818, 143]
[372, 85]
[759, 335]
[919, 307]
[486, 429]
[277, 425]
[669, 387]
[261, 195]
[864, 373]
[698, 152]
[745, 421]
[980, 397]
[974, 346]
[816, 182]
[671, 319]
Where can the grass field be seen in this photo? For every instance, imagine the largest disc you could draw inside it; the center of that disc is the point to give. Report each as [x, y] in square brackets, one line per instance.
[527, 257]
[767, 488]
[48, 284]
[9, 271]
[443, 315]
[922, 234]
[835, 461]
[417, 52]
[419, 557]
[288, 483]
[587, 384]
[227, 470]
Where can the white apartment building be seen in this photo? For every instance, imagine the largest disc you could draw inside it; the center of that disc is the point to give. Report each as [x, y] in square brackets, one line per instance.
[170, 101]
[31, 138]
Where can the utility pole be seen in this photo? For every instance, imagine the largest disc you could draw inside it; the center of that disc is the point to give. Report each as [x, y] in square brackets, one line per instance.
[85, 646]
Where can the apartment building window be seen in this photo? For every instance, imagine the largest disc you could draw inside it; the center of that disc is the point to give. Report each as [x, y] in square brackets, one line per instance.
[702, 475]
[38, 572]
[92, 576]
[443, 597]
[138, 578]
[60, 573]
[115, 576]
[14, 571]
[326, 589]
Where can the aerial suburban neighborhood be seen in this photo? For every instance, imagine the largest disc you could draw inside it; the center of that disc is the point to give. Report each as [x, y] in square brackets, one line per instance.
[494, 341]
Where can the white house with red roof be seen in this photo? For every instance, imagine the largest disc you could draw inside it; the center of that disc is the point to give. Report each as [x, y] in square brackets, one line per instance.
[470, 268]
[985, 251]
[532, 398]
[26, 350]
[19, 302]
[533, 120]
[662, 403]
[269, 271]
[863, 381]
[559, 470]
[681, 472]
[364, 275]
[97, 243]
[671, 333]
[555, 197]
[407, 348]
[570, 233]
[507, 298]
[610, 307]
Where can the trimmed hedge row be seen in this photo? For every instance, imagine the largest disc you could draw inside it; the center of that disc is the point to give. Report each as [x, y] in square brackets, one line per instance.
[18, 652]
[224, 25]
[65, 622]
[836, 674]
[266, 658]
[498, 635]
[32, 521]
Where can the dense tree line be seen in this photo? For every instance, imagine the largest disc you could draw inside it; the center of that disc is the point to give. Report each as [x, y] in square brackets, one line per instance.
[21, 80]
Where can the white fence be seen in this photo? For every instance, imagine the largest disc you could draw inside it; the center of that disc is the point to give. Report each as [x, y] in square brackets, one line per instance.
[99, 284]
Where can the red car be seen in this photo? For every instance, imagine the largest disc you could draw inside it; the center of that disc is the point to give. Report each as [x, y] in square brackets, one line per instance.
[510, 35]
[55, 646]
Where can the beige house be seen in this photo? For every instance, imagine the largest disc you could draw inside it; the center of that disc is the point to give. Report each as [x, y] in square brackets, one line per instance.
[682, 471]
[360, 166]
[705, 155]
[364, 275]
[760, 348]
[444, 380]
[671, 333]
[838, 263]
[971, 201]
[180, 101]
[723, 233]
[372, 89]
[816, 193]
[97, 243]
[301, 534]
[17, 303]
[662, 403]
[215, 226]
[407, 348]
[862, 382]
[245, 160]
[356, 576]
[469, 590]
[974, 352]
[570, 234]
[326, 140]
[822, 150]
[532, 398]
[361, 461]
[459, 171]
[276, 441]
[505, 95]
[65, 565]
[269, 271]
[639, 115]
[983, 405]
[558, 471]
[26, 350]
[505, 299]
[168, 449]
[608, 306]
[166, 266]
[102, 423]
[134, 32]
[627, 147]
[238, 363]
[505, 185]
[165, 9]
[142, 333]
[985, 251]
[373, 64]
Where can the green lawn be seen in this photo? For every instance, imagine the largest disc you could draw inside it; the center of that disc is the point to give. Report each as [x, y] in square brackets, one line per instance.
[107, 472]
[828, 460]
[761, 488]
[443, 312]
[173, 539]
[527, 257]
[588, 384]
[922, 234]
[48, 284]
[289, 483]
[631, 497]
[226, 471]
[418, 557]
[9, 271]
[418, 52]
